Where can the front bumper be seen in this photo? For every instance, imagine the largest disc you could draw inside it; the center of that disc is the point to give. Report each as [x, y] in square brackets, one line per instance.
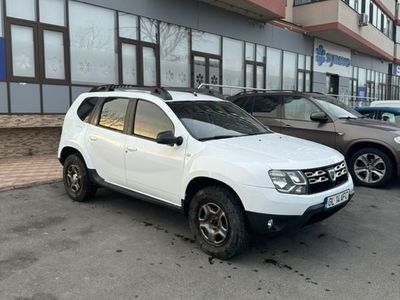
[316, 213]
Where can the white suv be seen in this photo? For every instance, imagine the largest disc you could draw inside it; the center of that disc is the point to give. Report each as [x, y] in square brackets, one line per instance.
[203, 156]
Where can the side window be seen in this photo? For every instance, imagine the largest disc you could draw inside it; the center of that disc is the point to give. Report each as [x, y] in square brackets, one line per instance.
[86, 108]
[267, 105]
[113, 113]
[298, 108]
[245, 103]
[150, 120]
[369, 115]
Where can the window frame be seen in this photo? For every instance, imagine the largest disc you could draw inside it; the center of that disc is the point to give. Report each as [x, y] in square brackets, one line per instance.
[9, 22]
[132, 117]
[207, 57]
[283, 116]
[255, 64]
[99, 109]
[264, 114]
[66, 48]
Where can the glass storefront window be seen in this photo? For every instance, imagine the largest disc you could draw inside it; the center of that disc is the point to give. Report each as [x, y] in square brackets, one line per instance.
[128, 26]
[301, 62]
[206, 42]
[1, 18]
[308, 63]
[308, 82]
[148, 30]
[260, 55]
[21, 9]
[174, 55]
[93, 51]
[54, 54]
[289, 70]
[129, 64]
[260, 77]
[149, 67]
[52, 12]
[362, 77]
[23, 51]
[274, 69]
[250, 49]
[249, 75]
[233, 69]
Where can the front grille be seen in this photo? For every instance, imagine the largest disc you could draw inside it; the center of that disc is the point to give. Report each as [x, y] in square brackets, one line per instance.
[326, 178]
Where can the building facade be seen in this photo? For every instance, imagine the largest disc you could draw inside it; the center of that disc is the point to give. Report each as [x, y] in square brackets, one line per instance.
[53, 50]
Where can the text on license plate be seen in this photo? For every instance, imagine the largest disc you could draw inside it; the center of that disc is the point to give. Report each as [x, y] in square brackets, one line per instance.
[337, 199]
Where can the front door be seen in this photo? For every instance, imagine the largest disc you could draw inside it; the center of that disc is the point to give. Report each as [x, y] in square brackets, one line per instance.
[296, 112]
[206, 68]
[332, 84]
[153, 169]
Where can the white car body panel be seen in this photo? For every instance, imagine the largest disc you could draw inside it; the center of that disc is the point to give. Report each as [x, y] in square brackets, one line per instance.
[164, 172]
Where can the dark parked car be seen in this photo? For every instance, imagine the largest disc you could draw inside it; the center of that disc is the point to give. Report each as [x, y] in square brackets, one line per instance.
[388, 114]
[371, 147]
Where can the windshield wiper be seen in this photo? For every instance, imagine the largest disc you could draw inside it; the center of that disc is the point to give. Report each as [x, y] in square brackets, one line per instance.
[218, 137]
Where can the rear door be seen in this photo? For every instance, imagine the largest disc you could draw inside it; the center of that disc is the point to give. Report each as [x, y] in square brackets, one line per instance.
[268, 109]
[106, 140]
[296, 113]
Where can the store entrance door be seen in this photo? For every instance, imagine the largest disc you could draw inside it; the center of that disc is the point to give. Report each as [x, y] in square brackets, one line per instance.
[332, 84]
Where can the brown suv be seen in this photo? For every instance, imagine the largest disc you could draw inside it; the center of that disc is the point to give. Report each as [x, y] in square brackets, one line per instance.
[371, 147]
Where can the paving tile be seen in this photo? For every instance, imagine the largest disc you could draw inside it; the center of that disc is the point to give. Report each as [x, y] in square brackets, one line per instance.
[28, 171]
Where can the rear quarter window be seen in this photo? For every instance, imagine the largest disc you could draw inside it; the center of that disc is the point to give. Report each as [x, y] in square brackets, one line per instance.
[86, 108]
[245, 103]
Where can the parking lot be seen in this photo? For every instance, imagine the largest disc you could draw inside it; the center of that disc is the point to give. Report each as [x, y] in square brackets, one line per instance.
[116, 247]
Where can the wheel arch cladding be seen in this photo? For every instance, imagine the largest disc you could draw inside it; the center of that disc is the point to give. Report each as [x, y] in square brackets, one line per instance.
[67, 151]
[361, 145]
[198, 183]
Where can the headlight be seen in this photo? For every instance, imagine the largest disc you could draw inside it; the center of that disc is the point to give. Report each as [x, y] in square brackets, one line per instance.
[290, 182]
[397, 139]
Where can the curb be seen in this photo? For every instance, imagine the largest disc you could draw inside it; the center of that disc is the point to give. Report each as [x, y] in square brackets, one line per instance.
[27, 185]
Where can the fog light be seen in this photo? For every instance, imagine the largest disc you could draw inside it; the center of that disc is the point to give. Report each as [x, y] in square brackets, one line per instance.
[270, 223]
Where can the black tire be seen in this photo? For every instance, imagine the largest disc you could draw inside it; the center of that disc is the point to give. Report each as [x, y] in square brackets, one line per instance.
[87, 189]
[369, 153]
[234, 220]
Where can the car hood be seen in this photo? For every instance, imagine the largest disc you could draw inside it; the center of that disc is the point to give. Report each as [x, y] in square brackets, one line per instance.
[276, 151]
[372, 124]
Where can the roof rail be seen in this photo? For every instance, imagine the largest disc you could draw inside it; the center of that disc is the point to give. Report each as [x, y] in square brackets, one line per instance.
[157, 91]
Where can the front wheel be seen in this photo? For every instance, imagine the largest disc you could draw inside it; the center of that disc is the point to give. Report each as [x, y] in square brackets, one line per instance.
[218, 222]
[371, 167]
[77, 182]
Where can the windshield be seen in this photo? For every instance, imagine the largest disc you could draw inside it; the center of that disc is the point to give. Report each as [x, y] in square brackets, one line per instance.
[208, 120]
[337, 108]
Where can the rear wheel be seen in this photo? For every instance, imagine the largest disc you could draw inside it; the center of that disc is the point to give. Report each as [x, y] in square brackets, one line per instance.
[371, 167]
[77, 182]
[218, 222]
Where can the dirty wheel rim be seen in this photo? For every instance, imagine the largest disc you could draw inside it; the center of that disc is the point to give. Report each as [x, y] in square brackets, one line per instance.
[74, 178]
[213, 224]
[370, 168]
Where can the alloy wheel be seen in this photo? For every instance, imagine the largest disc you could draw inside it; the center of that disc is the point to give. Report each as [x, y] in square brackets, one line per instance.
[74, 178]
[369, 168]
[213, 224]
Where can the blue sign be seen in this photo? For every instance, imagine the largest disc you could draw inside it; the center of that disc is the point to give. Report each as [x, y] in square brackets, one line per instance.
[331, 59]
[3, 67]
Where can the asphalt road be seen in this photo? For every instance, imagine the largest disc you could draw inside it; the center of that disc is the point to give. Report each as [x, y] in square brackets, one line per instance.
[117, 247]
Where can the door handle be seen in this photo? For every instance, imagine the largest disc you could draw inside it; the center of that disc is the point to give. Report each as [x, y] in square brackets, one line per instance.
[131, 149]
[288, 125]
[93, 138]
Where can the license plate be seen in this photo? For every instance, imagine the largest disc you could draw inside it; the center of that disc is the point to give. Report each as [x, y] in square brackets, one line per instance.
[337, 199]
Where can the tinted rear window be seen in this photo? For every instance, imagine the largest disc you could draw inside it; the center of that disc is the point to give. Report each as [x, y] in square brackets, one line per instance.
[86, 108]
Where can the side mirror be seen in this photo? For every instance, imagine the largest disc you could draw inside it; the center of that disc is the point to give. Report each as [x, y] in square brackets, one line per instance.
[168, 138]
[319, 117]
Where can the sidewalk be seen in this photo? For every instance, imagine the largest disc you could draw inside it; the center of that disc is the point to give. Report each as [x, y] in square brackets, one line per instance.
[27, 171]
